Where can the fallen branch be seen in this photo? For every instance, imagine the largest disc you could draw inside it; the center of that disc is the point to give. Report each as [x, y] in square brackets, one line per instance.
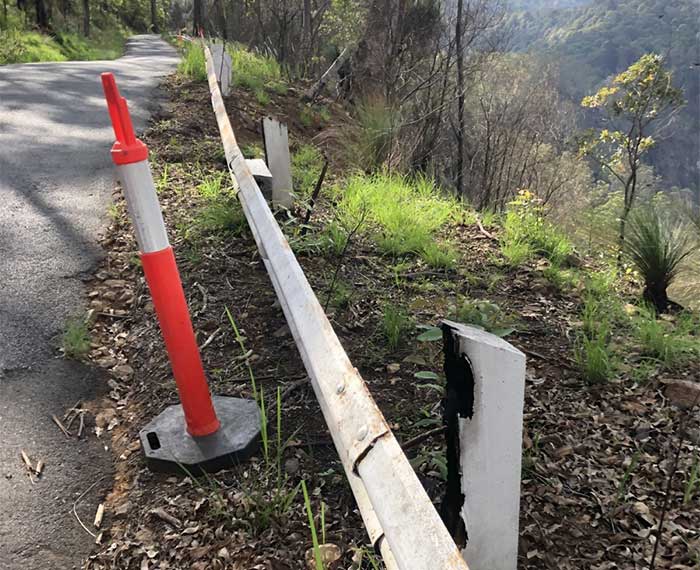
[60, 425]
[482, 229]
[314, 196]
[423, 437]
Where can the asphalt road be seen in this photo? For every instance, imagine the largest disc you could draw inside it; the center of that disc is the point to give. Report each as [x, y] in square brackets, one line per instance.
[56, 179]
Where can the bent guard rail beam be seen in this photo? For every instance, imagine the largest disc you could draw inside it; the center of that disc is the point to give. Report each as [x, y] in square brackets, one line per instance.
[396, 509]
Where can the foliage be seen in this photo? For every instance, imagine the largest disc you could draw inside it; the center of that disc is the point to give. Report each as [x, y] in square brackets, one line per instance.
[372, 144]
[485, 315]
[439, 256]
[526, 229]
[193, 64]
[405, 213]
[659, 340]
[657, 247]
[256, 72]
[307, 162]
[395, 324]
[595, 40]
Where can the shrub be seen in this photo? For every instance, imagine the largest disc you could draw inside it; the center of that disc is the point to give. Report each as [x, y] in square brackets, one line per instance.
[372, 144]
[485, 315]
[193, 64]
[525, 224]
[657, 248]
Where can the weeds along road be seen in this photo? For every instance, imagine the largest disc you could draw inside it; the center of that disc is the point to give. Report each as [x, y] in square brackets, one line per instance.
[56, 178]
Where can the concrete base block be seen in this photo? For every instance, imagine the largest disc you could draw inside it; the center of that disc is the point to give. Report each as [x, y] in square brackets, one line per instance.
[170, 449]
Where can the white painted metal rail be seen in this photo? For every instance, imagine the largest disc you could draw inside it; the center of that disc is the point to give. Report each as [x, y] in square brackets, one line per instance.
[400, 518]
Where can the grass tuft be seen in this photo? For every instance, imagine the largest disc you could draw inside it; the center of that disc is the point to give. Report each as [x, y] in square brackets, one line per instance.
[75, 342]
[395, 323]
[193, 64]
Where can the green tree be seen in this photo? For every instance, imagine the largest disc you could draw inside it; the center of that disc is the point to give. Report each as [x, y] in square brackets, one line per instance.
[638, 105]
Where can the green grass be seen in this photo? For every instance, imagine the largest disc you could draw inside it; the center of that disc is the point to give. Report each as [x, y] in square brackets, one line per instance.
[75, 342]
[193, 63]
[439, 256]
[516, 252]
[594, 356]
[403, 214]
[663, 342]
[562, 279]
[307, 163]
[20, 46]
[395, 324]
[525, 223]
[259, 73]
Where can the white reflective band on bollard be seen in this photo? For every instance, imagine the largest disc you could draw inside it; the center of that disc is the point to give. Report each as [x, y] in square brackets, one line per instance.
[144, 209]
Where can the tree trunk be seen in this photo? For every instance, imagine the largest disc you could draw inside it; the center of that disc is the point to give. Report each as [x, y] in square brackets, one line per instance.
[307, 27]
[198, 17]
[42, 17]
[460, 99]
[656, 294]
[86, 17]
[154, 16]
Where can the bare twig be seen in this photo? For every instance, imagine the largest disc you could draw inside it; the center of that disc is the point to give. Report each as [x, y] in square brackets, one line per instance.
[314, 196]
[482, 229]
[423, 437]
[210, 339]
[60, 425]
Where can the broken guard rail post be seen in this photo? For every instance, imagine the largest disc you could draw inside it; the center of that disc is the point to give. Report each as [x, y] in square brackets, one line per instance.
[218, 433]
[373, 461]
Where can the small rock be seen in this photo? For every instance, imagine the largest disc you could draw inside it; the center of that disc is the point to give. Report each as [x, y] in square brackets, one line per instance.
[122, 510]
[393, 368]
[683, 393]
[330, 555]
[291, 466]
[123, 371]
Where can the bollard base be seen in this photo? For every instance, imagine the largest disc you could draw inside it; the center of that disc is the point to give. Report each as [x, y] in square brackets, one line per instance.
[168, 447]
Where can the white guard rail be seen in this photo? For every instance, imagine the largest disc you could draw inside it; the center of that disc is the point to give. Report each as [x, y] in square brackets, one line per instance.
[399, 516]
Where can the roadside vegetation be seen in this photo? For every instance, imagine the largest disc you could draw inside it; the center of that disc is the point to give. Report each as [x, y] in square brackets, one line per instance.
[391, 249]
[44, 31]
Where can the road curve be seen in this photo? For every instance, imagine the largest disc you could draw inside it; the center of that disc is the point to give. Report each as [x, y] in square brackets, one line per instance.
[56, 179]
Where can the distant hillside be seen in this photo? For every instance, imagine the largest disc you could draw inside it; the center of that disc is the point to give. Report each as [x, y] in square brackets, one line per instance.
[595, 39]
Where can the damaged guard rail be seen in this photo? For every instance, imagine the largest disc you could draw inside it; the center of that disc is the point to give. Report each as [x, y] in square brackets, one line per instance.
[401, 521]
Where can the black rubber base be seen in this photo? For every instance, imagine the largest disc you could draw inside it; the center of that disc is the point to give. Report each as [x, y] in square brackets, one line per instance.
[170, 449]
